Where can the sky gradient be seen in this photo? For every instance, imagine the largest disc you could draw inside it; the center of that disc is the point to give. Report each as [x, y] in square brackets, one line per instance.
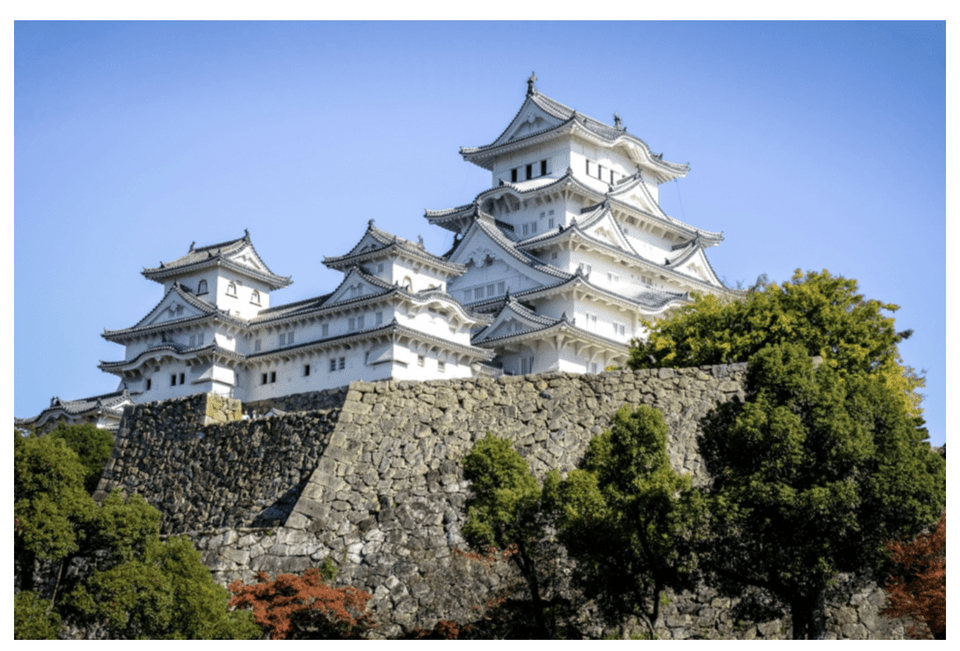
[811, 146]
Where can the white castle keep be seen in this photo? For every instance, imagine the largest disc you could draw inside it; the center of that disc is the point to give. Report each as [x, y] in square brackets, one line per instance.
[555, 267]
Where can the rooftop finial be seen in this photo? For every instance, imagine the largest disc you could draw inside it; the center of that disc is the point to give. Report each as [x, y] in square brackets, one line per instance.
[617, 123]
[246, 234]
[192, 244]
[531, 89]
[370, 222]
[420, 241]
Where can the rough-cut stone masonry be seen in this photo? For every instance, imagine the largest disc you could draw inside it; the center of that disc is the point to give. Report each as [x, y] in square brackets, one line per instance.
[379, 489]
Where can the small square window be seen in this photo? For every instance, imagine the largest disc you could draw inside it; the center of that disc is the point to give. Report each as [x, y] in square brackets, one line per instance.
[490, 290]
[554, 255]
[542, 215]
[501, 287]
[333, 365]
[478, 293]
[550, 212]
[343, 363]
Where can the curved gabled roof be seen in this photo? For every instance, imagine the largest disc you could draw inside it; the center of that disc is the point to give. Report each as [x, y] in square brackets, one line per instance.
[207, 311]
[167, 349]
[557, 326]
[215, 255]
[112, 402]
[385, 244]
[571, 121]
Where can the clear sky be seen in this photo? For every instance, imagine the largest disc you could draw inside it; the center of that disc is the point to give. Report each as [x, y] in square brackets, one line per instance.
[811, 145]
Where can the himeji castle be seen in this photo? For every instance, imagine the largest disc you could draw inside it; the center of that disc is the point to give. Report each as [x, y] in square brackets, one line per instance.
[556, 267]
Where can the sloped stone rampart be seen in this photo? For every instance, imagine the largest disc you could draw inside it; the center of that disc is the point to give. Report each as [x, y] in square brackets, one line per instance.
[240, 473]
[384, 495]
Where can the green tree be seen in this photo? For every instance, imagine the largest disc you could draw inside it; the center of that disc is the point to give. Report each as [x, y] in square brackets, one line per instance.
[92, 445]
[628, 519]
[812, 474]
[824, 314]
[130, 581]
[504, 511]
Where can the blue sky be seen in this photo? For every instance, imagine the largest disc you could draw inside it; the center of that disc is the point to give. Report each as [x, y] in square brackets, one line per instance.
[811, 145]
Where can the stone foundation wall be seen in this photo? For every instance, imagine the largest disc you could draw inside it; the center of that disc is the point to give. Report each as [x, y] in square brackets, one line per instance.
[375, 484]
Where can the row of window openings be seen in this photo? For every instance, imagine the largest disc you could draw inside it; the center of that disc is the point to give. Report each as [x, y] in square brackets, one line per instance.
[531, 227]
[173, 380]
[480, 293]
[600, 169]
[354, 323]
[529, 169]
[618, 328]
[422, 362]
[231, 291]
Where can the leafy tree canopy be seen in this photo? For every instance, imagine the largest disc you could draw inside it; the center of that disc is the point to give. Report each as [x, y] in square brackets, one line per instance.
[823, 314]
[811, 475]
[92, 445]
[628, 519]
[917, 587]
[130, 582]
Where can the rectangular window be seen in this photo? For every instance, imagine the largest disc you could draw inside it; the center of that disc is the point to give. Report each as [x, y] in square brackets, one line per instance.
[379, 318]
[478, 293]
[554, 255]
[588, 168]
[325, 330]
[441, 367]
[550, 212]
[593, 367]
[611, 177]
[256, 345]
[343, 363]
[263, 379]
[543, 168]
[149, 382]
[490, 289]
[333, 365]
[181, 378]
[526, 229]
[200, 339]
[283, 339]
[193, 340]
[513, 174]
[542, 215]
[550, 223]
[360, 322]
[600, 172]
[591, 320]
[306, 370]
[421, 361]
[501, 287]
[352, 324]
[529, 172]
[533, 227]
[173, 380]
[273, 377]
[379, 267]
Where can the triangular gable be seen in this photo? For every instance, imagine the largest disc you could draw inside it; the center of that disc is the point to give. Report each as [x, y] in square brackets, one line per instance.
[356, 284]
[367, 243]
[174, 306]
[512, 319]
[246, 256]
[479, 247]
[606, 229]
[697, 266]
[530, 119]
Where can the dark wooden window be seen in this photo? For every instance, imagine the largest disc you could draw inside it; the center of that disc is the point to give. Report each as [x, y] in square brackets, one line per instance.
[543, 168]
[529, 172]
[513, 174]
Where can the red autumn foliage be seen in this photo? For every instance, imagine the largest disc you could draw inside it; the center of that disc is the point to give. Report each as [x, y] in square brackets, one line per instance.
[304, 607]
[918, 587]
